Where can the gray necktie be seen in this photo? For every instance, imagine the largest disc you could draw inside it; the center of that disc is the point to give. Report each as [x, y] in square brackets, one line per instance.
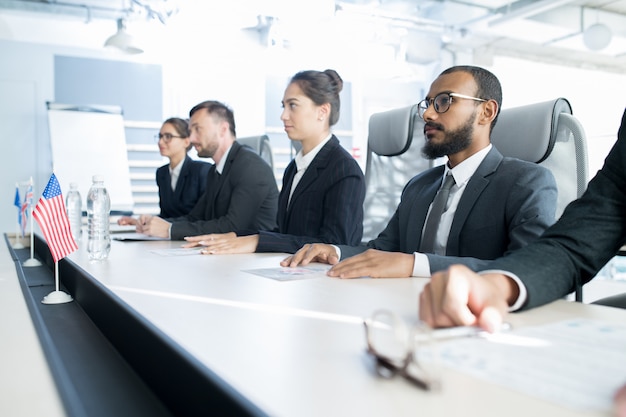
[432, 223]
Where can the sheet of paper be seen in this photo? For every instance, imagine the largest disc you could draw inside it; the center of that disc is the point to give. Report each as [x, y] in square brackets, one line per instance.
[576, 363]
[134, 236]
[290, 274]
[117, 228]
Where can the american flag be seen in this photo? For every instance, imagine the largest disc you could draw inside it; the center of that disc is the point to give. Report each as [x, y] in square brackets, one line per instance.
[52, 219]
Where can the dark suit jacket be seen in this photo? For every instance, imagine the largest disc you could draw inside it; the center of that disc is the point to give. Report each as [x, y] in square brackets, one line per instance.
[506, 204]
[589, 233]
[189, 187]
[326, 206]
[243, 197]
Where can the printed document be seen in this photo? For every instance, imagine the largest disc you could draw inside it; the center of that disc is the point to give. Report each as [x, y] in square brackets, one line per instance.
[577, 363]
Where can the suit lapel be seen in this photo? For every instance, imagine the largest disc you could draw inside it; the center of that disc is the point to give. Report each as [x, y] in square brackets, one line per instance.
[474, 188]
[283, 198]
[182, 178]
[312, 172]
[419, 209]
[218, 179]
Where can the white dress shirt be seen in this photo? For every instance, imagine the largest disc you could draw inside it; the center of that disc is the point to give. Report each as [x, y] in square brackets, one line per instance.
[462, 174]
[220, 167]
[303, 162]
[175, 173]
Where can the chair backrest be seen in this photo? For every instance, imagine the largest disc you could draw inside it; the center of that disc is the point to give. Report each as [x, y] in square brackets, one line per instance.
[394, 144]
[548, 134]
[261, 145]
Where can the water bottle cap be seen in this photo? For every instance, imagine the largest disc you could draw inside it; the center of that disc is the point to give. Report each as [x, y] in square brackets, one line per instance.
[98, 178]
[73, 185]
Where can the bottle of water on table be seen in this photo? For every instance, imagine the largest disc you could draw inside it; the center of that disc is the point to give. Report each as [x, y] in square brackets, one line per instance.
[74, 207]
[98, 209]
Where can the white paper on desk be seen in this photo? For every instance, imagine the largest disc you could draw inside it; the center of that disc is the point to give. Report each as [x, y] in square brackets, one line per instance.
[134, 236]
[576, 363]
[290, 274]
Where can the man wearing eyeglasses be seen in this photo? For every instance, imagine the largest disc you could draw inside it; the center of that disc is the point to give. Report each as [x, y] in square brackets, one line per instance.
[241, 191]
[477, 207]
[590, 232]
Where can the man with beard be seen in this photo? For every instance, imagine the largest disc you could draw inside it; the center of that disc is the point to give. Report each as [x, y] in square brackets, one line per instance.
[241, 191]
[494, 205]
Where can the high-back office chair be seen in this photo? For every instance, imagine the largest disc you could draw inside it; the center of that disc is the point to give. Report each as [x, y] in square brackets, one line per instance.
[548, 134]
[394, 144]
[261, 145]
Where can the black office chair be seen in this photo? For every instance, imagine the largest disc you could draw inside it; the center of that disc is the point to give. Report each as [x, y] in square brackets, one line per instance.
[261, 145]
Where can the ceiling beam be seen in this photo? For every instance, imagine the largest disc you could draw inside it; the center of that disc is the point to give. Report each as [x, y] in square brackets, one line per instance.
[530, 10]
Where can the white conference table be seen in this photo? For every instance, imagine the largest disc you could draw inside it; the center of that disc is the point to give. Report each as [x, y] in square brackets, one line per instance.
[298, 347]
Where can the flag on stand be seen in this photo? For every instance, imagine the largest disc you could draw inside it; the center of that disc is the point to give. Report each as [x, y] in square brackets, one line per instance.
[18, 204]
[28, 201]
[52, 219]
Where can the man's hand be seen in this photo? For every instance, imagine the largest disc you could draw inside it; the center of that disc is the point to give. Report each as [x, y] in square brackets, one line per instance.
[153, 226]
[223, 243]
[376, 264]
[460, 297]
[126, 220]
[206, 240]
[312, 252]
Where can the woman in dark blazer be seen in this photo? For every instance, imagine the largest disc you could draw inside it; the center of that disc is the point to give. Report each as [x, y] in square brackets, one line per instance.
[321, 199]
[182, 181]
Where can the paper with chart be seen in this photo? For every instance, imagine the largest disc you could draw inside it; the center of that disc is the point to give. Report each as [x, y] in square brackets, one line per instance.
[576, 363]
[291, 274]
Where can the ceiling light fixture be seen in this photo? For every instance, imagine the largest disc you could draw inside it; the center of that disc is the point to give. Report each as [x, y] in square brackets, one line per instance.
[123, 41]
[597, 36]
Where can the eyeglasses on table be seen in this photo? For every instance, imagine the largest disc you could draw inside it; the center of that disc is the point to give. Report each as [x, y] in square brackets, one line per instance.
[402, 349]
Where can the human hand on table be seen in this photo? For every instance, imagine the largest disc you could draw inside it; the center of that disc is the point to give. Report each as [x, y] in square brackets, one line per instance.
[376, 264]
[153, 226]
[127, 220]
[223, 243]
[312, 252]
[461, 297]
[373, 263]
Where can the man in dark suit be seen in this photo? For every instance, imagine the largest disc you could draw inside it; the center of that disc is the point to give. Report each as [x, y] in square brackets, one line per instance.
[496, 205]
[590, 231]
[588, 234]
[241, 191]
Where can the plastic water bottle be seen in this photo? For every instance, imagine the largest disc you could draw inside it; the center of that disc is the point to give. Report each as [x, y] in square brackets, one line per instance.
[74, 208]
[98, 209]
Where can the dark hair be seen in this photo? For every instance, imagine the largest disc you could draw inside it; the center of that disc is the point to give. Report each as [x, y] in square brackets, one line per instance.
[181, 126]
[321, 87]
[218, 110]
[489, 87]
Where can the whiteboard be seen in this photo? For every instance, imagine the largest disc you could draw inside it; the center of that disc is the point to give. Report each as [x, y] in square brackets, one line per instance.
[90, 140]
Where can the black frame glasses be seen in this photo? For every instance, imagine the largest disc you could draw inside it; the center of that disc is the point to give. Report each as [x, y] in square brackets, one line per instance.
[395, 346]
[167, 137]
[441, 102]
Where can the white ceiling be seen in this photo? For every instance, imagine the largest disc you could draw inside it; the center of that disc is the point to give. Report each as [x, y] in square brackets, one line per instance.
[544, 30]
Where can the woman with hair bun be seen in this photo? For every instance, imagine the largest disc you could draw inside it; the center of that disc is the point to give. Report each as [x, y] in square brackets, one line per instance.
[321, 199]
